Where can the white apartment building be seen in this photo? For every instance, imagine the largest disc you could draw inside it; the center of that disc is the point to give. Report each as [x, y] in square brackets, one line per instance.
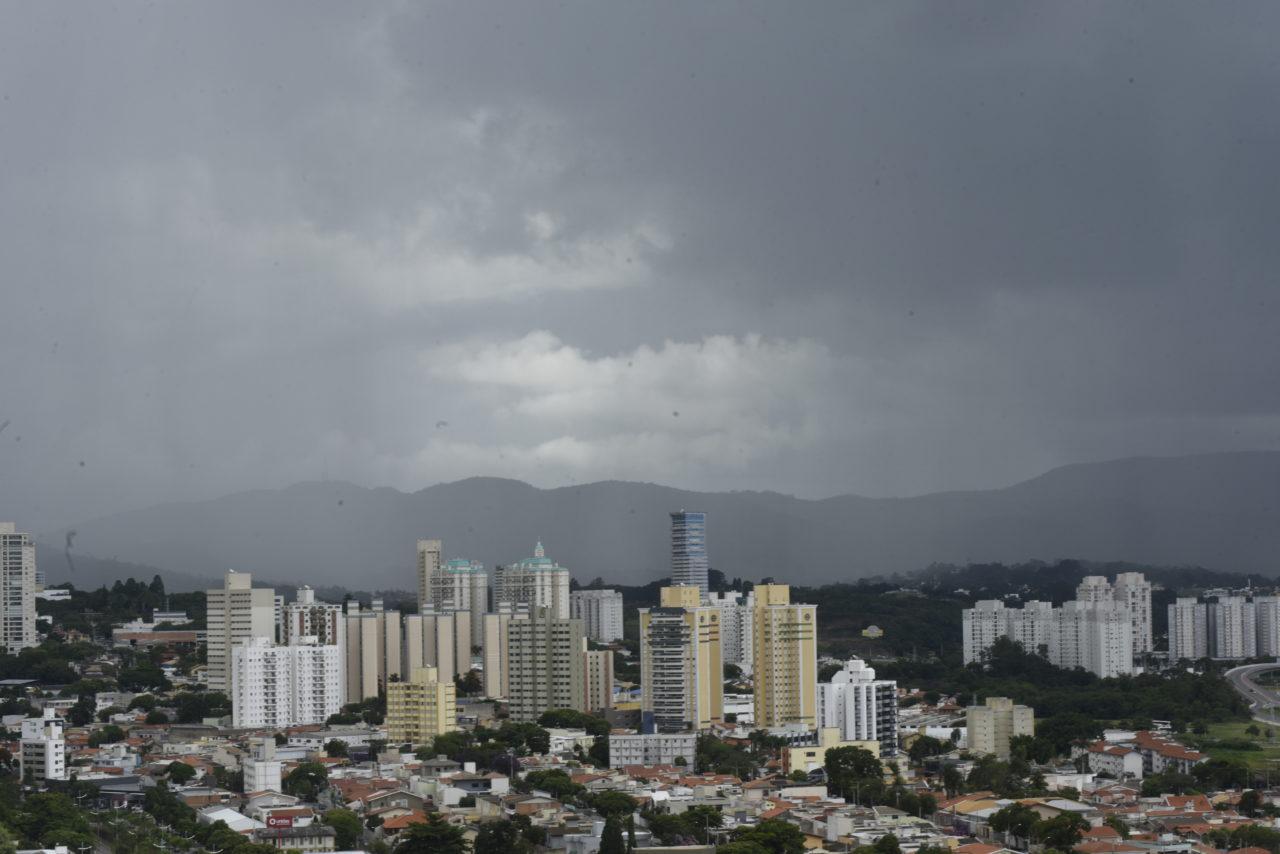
[1188, 630]
[43, 749]
[1097, 636]
[860, 706]
[281, 686]
[1130, 589]
[18, 584]
[736, 626]
[1267, 612]
[1233, 628]
[600, 612]
[662, 748]
[535, 582]
[237, 612]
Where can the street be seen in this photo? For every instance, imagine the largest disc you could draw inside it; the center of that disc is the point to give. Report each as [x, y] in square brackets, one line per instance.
[1262, 701]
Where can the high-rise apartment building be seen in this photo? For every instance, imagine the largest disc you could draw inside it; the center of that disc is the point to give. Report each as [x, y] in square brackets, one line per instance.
[1133, 591]
[236, 612]
[785, 664]
[373, 653]
[1266, 610]
[43, 749]
[535, 582]
[430, 557]
[545, 664]
[274, 685]
[600, 612]
[681, 664]
[862, 707]
[1233, 628]
[17, 589]
[689, 550]
[991, 726]
[421, 708]
[307, 618]
[442, 641]
[453, 586]
[496, 650]
[737, 613]
[598, 673]
[1188, 630]
[1085, 633]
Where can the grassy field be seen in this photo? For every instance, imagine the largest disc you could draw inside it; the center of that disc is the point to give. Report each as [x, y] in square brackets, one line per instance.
[1266, 758]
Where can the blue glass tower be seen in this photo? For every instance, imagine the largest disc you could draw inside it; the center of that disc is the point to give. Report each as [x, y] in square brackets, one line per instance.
[689, 549]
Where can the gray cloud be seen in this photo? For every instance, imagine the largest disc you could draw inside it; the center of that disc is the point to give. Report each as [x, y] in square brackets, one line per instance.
[880, 249]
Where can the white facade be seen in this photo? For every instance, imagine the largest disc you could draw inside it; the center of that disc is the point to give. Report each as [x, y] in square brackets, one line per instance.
[1134, 592]
[1233, 628]
[736, 626]
[1094, 633]
[536, 582]
[18, 583]
[453, 586]
[600, 612]
[1267, 612]
[860, 706]
[280, 686]
[1188, 630]
[653, 749]
[43, 750]
[262, 770]
[237, 612]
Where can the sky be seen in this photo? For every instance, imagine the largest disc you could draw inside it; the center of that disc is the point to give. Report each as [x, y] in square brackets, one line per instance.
[818, 248]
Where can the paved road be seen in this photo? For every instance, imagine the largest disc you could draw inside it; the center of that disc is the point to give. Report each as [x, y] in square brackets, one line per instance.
[1264, 702]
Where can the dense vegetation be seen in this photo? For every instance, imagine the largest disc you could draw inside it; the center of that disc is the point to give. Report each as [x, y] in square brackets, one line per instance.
[1011, 671]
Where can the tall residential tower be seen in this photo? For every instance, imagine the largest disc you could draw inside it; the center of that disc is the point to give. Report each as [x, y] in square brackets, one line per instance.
[689, 550]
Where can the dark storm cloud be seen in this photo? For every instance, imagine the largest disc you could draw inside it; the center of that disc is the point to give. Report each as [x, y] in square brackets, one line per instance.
[857, 248]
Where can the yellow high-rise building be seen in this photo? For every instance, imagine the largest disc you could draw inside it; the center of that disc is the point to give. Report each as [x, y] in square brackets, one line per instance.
[785, 659]
[681, 663]
[420, 709]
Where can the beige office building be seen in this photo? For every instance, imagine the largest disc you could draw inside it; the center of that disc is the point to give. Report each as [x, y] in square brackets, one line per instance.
[235, 613]
[681, 662]
[545, 659]
[496, 651]
[992, 725]
[785, 659]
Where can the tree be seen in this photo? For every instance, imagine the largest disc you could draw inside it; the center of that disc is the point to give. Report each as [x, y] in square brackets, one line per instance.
[952, 781]
[157, 717]
[887, 844]
[741, 846]
[1062, 832]
[499, 837]
[469, 684]
[433, 836]
[81, 714]
[613, 803]
[852, 768]
[306, 781]
[348, 827]
[109, 734]
[1117, 824]
[1015, 819]
[1250, 802]
[180, 773]
[611, 838]
[145, 702]
[775, 836]
[336, 748]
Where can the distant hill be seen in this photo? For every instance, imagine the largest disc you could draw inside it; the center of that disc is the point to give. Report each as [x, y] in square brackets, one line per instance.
[1219, 511]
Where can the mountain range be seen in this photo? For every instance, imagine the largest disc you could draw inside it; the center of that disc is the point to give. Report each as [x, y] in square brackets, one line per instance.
[1219, 511]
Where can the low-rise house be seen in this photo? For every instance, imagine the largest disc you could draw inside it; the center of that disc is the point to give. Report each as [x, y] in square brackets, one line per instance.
[311, 837]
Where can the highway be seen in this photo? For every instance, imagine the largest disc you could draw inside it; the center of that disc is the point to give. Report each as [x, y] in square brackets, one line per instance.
[1262, 701]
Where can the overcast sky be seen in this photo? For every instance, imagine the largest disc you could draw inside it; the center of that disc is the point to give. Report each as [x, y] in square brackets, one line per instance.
[818, 248]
